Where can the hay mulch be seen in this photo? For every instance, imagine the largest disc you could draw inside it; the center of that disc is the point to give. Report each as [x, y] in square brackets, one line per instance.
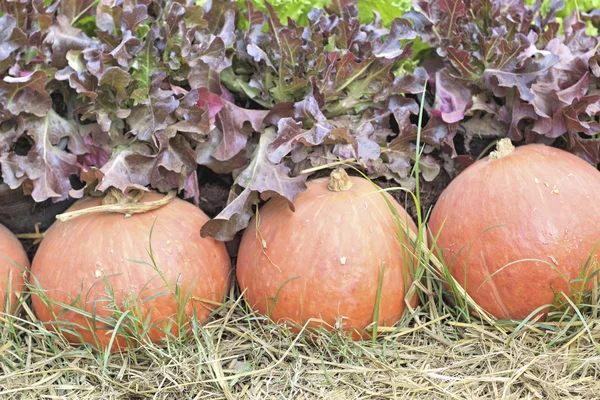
[237, 356]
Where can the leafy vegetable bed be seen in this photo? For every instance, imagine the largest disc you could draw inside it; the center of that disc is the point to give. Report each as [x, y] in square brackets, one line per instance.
[158, 93]
[229, 103]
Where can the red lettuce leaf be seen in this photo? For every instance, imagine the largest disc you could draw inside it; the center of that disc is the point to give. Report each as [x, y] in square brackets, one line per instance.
[126, 170]
[451, 98]
[340, 75]
[152, 114]
[538, 83]
[237, 124]
[26, 94]
[47, 165]
[129, 77]
[353, 73]
[11, 37]
[75, 9]
[65, 37]
[260, 176]
[211, 101]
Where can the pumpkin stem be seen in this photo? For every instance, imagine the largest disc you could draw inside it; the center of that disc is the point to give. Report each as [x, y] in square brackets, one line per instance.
[339, 181]
[115, 196]
[503, 148]
[116, 202]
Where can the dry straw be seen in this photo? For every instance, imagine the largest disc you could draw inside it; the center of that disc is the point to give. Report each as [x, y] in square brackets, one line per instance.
[237, 355]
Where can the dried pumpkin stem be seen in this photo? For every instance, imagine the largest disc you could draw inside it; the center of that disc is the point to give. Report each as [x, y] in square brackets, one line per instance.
[339, 181]
[31, 235]
[115, 196]
[503, 148]
[37, 236]
[116, 202]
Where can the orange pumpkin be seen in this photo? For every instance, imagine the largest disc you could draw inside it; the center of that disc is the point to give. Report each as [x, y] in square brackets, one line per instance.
[324, 260]
[13, 268]
[516, 228]
[89, 262]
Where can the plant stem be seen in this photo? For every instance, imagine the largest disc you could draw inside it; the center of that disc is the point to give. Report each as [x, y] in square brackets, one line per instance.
[128, 208]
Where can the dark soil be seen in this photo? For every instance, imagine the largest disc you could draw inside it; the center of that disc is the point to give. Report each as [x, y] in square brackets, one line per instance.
[20, 213]
[214, 191]
[213, 198]
[430, 192]
[30, 247]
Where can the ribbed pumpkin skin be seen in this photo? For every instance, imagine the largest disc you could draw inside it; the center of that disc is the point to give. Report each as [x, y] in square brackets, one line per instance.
[75, 255]
[324, 260]
[11, 275]
[547, 201]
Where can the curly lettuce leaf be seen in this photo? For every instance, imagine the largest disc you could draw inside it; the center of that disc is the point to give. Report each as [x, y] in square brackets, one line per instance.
[134, 77]
[529, 70]
[261, 176]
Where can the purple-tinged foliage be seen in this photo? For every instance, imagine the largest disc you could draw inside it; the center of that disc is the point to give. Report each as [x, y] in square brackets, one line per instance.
[331, 88]
[511, 61]
[134, 103]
